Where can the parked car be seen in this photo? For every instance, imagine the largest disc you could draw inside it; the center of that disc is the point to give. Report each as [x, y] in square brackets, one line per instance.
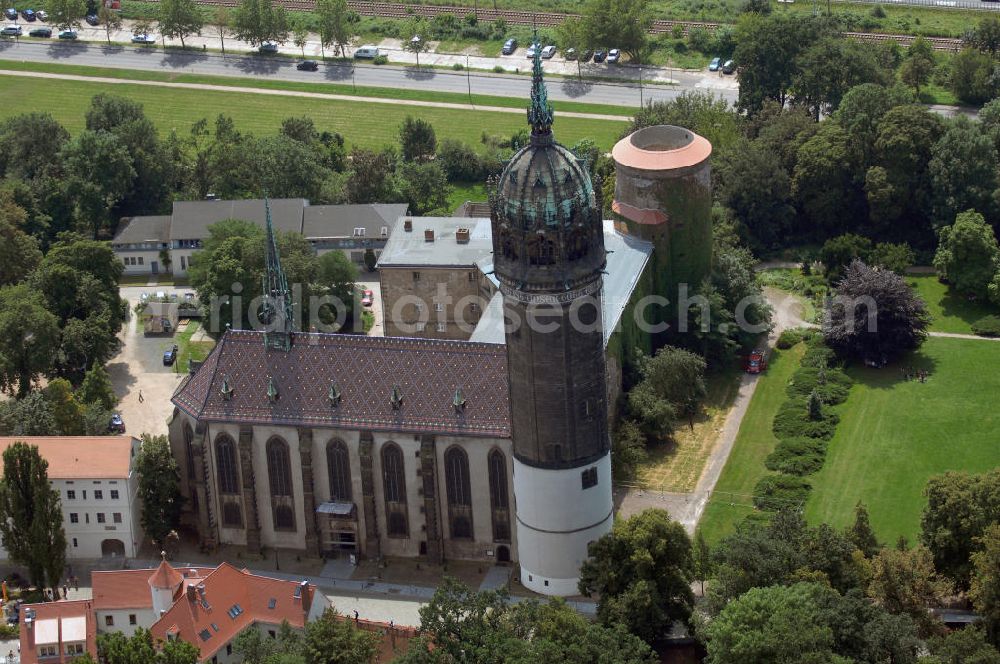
[189, 297]
[307, 65]
[91, 19]
[714, 64]
[600, 55]
[10, 13]
[170, 356]
[41, 32]
[143, 38]
[756, 362]
[12, 30]
[586, 55]
[614, 55]
[28, 14]
[367, 297]
[569, 54]
[509, 47]
[729, 67]
[42, 15]
[367, 52]
[530, 52]
[548, 52]
[117, 424]
[268, 47]
[67, 34]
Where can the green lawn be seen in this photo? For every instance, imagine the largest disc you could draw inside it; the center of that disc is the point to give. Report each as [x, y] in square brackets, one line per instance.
[894, 434]
[188, 350]
[731, 500]
[951, 312]
[466, 191]
[367, 124]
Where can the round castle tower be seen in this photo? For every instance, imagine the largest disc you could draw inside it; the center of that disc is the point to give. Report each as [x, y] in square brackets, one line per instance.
[663, 193]
[549, 256]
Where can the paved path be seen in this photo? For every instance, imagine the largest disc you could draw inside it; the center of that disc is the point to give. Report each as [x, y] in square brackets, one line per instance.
[299, 93]
[687, 508]
[955, 335]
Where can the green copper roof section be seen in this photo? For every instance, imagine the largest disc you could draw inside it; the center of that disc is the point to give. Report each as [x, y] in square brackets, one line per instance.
[334, 394]
[458, 401]
[540, 113]
[272, 389]
[277, 297]
[397, 398]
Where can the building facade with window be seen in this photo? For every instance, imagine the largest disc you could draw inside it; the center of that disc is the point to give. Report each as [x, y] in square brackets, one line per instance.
[98, 488]
[165, 243]
[57, 632]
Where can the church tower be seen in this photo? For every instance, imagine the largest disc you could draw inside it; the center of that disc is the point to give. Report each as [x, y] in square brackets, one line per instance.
[549, 257]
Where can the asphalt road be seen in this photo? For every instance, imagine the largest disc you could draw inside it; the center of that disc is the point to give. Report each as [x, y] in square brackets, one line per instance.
[386, 76]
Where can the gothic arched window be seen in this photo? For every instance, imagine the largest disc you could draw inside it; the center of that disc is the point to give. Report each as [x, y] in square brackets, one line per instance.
[279, 467]
[459, 491]
[225, 462]
[189, 450]
[394, 490]
[499, 504]
[338, 465]
[279, 474]
[456, 474]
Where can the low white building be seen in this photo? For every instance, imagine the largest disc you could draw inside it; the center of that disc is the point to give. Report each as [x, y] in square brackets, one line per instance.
[98, 486]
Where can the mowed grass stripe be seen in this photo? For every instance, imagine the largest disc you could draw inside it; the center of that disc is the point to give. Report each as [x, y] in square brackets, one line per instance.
[363, 124]
[374, 92]
[895, 434]
[731, 500]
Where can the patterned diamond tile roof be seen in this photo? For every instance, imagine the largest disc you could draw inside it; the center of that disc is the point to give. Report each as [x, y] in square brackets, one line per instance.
[365, 370]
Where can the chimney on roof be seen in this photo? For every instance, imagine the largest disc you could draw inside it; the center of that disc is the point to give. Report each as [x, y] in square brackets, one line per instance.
[192, 594]
[29, 618]
[407, 225]
[462, 236]
[429, 235]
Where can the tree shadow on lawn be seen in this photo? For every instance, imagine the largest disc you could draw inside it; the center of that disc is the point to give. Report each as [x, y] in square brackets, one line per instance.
[894, 373]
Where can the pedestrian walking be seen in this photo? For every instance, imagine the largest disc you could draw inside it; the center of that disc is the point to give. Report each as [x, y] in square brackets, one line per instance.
[140, 396]
[356, 616]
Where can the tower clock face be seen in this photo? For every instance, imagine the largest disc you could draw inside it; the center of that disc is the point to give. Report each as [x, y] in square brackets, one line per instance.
[587, 313]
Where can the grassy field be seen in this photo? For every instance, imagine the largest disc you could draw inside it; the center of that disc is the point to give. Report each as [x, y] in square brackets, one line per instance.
[678, 465]
[951, 313]
[372, 125]
[325, 88]
[188, 350]
[731, 500]
[466, 191]
[894, 434]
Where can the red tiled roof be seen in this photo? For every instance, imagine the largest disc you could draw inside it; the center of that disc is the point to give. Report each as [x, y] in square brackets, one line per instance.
[644, 216]
[59, 611]
[121, 589]
[225, 589]
[166, 576]
[364, 369]
[80, 457]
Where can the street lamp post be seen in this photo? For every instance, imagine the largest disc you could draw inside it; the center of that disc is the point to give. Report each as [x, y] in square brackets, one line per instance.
[640, 88]
[468, 77]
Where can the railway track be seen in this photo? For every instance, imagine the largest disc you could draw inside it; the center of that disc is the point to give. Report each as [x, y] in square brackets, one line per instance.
[551, 19]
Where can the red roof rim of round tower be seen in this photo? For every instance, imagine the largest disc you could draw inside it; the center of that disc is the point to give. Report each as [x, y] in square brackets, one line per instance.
[691, 149]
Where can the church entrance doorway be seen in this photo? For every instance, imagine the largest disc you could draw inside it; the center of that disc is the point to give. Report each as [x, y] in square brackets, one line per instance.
[503, 554]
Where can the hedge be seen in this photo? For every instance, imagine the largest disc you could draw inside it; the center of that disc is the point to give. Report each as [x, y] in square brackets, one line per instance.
[779, 491]
[987, 326]
[793, 421]
[789, 338]
[833, 389]
[797, 456]
[818, 355]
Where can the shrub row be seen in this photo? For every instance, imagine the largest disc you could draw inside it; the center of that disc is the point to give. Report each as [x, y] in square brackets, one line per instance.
[987, 326]
[803, 425]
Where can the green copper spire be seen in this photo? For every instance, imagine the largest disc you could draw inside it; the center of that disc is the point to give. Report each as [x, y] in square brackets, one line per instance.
[540, 111]
[272, 390]
[458, 401]
[277, 311]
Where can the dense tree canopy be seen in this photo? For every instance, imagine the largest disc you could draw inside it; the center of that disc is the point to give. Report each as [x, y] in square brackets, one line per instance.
[642, 571]
[967, 254]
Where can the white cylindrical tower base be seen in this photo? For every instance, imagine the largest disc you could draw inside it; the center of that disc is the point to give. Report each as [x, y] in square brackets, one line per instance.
[556, 519]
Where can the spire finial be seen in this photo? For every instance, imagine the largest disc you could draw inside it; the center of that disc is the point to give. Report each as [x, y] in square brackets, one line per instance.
[540, 112]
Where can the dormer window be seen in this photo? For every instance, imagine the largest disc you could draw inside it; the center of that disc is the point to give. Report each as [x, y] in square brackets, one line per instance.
[227, 389]
[359, 232]
[272, 390]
